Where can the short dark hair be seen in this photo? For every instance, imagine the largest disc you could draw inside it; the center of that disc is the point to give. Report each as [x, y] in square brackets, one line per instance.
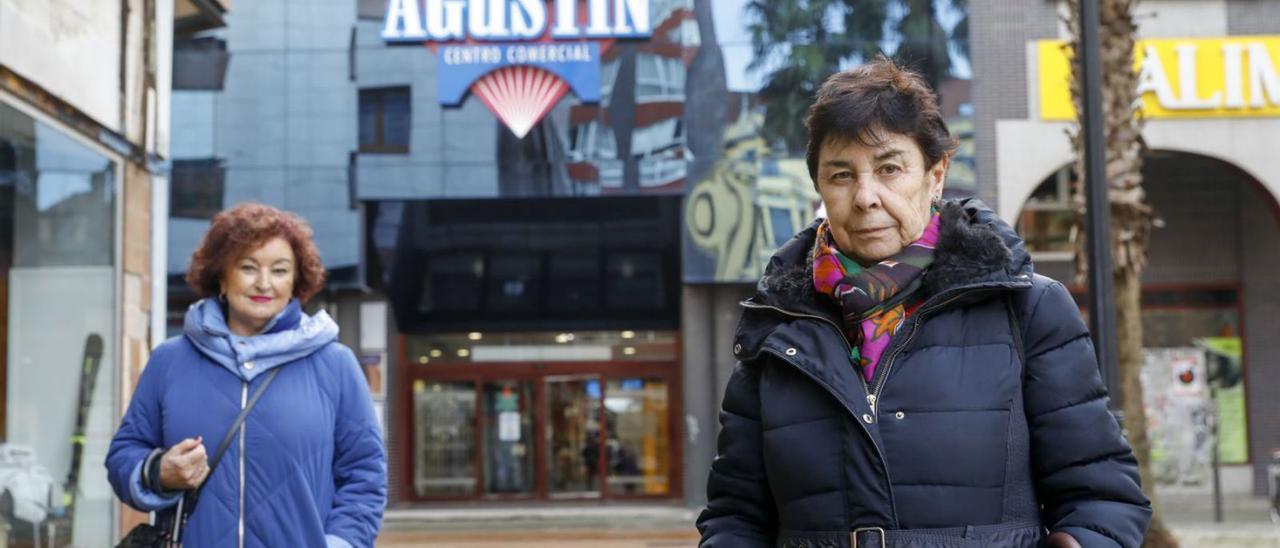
[243, 228]
[877, 96]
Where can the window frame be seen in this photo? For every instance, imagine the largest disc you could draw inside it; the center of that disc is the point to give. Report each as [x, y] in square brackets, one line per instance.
[378, 99]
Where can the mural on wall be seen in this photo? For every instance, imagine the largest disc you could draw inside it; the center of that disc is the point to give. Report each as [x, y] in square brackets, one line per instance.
[750, 204]
[750, 192]
[590, 95]
[1185, 391]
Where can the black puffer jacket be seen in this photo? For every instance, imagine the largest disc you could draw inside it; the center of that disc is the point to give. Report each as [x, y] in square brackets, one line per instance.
[957, 441]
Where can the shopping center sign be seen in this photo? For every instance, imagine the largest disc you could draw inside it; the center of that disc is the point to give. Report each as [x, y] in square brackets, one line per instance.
[518, 56]
[1235, 77]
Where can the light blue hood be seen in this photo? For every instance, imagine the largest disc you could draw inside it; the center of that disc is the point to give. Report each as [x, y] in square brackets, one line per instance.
[289, 336]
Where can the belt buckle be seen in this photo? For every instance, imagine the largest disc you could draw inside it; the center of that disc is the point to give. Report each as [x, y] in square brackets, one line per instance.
[854, 537]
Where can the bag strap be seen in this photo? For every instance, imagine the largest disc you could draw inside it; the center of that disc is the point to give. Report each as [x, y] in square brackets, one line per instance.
[194, 495]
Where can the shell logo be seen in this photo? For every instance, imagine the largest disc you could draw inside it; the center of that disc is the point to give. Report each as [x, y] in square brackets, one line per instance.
[519, 57]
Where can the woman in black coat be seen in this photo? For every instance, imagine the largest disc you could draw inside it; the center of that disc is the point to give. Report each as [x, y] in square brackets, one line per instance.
[904, 378]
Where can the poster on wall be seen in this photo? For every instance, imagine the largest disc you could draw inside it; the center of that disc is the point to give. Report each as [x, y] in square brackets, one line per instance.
[1177, 405]
[1183, 389]
[1223, 363]
[375, 372]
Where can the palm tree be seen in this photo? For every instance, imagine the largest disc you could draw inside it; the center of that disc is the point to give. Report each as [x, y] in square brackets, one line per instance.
[1131, 217]
[807, 40]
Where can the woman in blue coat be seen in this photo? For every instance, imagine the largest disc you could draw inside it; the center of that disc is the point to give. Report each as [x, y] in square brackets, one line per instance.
[307, 468]
[904, 378]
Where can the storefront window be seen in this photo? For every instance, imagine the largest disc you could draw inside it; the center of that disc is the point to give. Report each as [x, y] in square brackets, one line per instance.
[1192, 374]
[57, 325]
[636, 411]
[444, 439]
[1047, 218]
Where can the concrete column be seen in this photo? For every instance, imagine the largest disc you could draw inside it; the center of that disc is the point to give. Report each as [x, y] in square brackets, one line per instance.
[709, 319]
[698, 434]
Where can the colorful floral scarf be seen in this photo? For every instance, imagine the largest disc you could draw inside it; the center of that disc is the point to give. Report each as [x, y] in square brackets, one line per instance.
[875, 300]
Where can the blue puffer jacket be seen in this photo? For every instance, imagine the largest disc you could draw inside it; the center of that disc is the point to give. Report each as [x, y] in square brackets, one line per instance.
[309, 468]
[958, 441]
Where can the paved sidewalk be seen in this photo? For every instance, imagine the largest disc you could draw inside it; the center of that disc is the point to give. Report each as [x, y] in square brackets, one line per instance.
[570, 526]
[1189, 514]
[1246, 520]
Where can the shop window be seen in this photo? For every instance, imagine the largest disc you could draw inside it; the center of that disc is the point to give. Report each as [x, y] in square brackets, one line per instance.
[57, 326]
[1192, 370]
[637, 448]
[444, 443]
[385, 117]
[196, 188]
[1047, 218]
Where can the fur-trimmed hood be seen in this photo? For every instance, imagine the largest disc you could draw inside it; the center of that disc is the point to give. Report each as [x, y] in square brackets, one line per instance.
[975, 249]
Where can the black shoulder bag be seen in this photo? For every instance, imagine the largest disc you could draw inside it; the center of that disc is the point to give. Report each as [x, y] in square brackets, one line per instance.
[166, 532]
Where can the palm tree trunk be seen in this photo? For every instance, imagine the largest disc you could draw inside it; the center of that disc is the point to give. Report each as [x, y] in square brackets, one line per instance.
[1131, 220]
[1128, 291]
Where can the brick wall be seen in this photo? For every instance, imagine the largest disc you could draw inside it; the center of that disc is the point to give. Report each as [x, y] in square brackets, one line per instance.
[999, 31]
[1253, 17]
[1260, 261]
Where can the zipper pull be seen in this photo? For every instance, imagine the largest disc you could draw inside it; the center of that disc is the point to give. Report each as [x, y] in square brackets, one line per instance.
[871, 400]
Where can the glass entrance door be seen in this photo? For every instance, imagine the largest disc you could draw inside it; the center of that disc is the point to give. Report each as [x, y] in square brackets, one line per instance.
[573, 445]
[508, 438]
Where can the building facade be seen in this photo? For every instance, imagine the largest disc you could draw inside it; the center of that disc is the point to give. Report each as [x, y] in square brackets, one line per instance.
[543, 288]
[1210, 87]
[84, 118]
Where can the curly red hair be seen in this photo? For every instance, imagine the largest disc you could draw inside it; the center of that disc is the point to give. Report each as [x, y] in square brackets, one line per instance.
[243, 228]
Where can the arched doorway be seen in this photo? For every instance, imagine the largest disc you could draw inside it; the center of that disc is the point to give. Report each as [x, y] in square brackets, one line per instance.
[1210, 283]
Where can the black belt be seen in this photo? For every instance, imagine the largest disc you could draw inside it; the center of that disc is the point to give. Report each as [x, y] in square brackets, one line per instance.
[867, 537]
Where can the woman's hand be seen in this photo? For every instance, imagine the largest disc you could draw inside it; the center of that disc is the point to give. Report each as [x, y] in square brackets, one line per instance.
[184, 466]
[1061, 540]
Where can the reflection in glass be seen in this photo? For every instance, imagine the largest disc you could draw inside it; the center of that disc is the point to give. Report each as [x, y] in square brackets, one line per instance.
[636, 411]
[573, 435]
[57, 312]
[508, 443]
[444, 439]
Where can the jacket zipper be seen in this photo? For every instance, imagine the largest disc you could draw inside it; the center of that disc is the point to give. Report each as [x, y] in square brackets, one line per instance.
[848, 347]
[883, 377]
[244, 395]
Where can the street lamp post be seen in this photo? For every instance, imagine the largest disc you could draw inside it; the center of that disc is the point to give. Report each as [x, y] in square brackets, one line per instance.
[1102, 317]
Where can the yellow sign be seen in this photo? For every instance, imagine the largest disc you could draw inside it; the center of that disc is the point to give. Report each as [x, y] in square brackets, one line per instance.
[1236, 77]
